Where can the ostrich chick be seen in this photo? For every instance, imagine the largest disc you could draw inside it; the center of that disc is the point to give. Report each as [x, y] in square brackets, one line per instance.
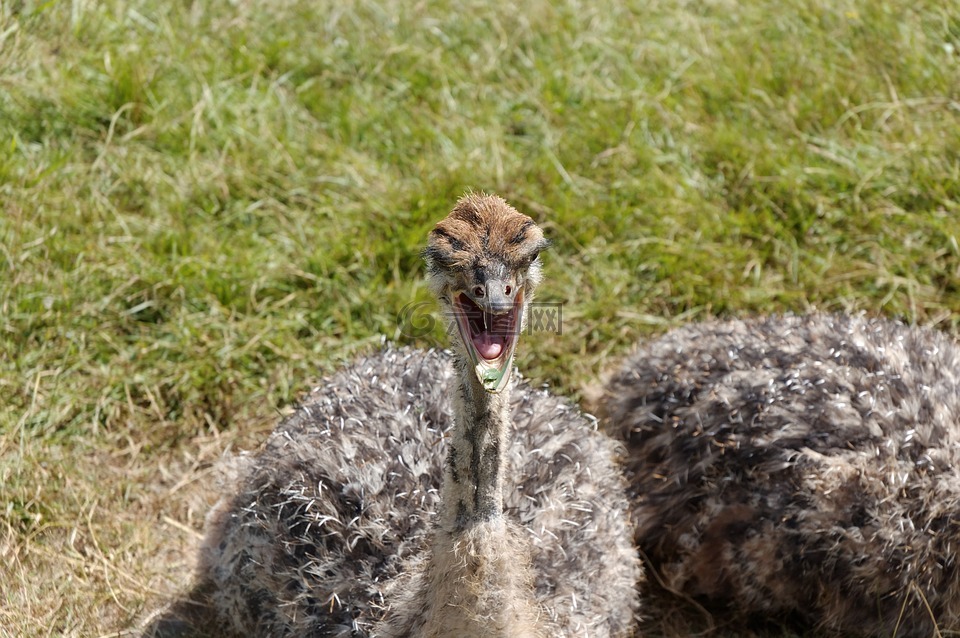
[336, 527]
[798, 468]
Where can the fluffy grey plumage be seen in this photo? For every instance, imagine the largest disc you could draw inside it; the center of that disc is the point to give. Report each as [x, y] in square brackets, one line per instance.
[332, 516]
[801, 467]
[333, 504]
[339, 527]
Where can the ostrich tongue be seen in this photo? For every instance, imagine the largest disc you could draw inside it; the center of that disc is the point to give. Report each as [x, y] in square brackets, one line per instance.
[490, 341]
[488, 346]
[492, 358]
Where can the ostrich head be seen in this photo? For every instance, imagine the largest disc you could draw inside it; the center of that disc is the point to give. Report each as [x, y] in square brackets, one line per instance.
[483, 266]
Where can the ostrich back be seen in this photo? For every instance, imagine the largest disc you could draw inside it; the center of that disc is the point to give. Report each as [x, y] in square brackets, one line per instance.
[329, 519]
[804, 467]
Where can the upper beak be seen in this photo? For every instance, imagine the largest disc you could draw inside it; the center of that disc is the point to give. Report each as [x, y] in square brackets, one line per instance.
[496, 296]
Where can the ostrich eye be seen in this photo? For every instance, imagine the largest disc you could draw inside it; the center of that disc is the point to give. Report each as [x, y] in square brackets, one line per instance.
[524, 262]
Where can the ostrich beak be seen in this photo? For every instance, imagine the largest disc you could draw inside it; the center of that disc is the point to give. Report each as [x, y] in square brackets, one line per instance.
[490, 328]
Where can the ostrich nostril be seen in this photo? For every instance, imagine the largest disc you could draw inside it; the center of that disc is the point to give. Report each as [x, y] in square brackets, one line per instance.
[479, 291]
[507, 290]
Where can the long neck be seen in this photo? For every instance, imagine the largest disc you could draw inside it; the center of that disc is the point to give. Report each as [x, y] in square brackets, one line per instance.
[477, 582]
[473, 475]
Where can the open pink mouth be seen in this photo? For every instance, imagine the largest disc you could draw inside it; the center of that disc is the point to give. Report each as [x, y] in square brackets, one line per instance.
[490, 339]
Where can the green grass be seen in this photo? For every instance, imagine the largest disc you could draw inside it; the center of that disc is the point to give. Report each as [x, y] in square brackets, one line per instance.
[206, 205]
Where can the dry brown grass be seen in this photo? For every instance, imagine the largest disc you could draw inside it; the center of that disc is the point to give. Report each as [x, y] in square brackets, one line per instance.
[104, 535]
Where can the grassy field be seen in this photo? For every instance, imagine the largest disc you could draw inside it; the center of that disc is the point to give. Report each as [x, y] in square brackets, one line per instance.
[206, 205]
